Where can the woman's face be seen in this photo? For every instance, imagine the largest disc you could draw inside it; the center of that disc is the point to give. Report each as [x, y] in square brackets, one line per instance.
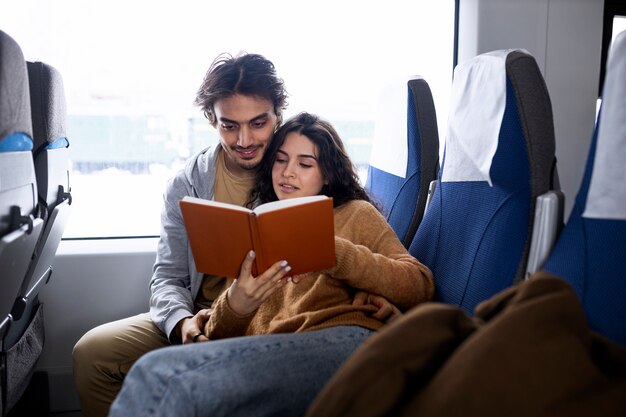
[296, 171]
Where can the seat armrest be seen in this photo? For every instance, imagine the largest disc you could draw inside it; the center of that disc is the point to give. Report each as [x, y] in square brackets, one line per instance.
[547, 226]
[431, 190]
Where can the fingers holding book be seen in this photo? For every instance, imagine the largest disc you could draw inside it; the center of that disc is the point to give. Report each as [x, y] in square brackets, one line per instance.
[248, 292]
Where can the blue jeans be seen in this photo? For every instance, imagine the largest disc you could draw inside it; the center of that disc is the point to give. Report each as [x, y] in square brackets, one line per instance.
[267, 375]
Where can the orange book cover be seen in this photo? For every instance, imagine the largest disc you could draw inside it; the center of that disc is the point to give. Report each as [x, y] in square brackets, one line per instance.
[298, 230]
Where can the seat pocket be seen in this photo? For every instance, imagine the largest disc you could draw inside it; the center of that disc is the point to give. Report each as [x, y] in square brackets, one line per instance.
[22, 357]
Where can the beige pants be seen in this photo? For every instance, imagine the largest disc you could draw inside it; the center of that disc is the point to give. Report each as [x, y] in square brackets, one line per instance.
[103, 356]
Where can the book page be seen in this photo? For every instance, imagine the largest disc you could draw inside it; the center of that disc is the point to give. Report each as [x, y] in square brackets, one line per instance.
[303, 234]
[215, 204]
[280, 204]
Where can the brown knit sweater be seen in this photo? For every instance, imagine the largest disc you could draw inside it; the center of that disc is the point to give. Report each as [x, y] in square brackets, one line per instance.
[369, 257]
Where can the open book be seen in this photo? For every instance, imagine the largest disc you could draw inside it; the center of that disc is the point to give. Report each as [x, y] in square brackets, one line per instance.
[298, 230]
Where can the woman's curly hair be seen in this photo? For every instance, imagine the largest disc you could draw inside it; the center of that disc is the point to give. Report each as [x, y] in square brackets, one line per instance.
[341, 181]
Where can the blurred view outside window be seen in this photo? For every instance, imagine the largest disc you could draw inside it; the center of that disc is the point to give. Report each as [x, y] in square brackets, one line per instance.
[131, 70]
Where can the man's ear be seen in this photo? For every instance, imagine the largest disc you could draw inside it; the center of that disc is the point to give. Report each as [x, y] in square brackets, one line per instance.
[279, 121]
[210, 115]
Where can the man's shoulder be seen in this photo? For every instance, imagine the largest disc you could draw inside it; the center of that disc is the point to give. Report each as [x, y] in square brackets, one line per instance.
[203, 160]
[197, 175]
[201, 166]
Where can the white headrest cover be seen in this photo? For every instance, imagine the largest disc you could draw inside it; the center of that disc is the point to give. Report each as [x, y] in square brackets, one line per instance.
[476, 111]
[607, 191]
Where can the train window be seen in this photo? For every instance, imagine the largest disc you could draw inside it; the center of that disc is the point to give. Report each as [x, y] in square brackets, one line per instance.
[619, 25]
[614, 22]
[131, 70]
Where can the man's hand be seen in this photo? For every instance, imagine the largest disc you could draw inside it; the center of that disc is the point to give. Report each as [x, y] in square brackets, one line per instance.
[190, 329]
[386, 313]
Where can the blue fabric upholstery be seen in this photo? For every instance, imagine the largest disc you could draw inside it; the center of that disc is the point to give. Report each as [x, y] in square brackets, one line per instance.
[59, 143]
[590, 251]
[390, 191]
[402, 199]
[16, 142]
[475, 237]
[461, 235]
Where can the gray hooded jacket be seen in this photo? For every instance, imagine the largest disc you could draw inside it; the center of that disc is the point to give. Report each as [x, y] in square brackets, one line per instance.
[175, 281]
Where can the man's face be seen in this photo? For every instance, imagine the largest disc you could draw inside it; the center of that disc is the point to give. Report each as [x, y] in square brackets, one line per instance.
[245, 125]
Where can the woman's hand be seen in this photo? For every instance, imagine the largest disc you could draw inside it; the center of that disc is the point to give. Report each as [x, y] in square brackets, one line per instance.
[247, 293]
[386, 313]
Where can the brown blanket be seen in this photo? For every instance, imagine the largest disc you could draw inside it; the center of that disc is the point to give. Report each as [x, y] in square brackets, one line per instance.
[527, 352]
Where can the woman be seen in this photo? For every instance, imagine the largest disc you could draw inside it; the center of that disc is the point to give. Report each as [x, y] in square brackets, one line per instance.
[306, 157]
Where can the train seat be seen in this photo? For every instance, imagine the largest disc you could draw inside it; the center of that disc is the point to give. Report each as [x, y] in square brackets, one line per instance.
[25, 339]
[51, 158]
[405, 155]
[499, 157]
[19, 227]
[590, 251]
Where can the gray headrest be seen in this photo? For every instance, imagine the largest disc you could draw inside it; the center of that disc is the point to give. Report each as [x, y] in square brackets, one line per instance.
[14, 96]
[47, 97]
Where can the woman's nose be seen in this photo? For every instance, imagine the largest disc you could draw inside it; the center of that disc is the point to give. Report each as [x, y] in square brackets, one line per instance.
[289, 172]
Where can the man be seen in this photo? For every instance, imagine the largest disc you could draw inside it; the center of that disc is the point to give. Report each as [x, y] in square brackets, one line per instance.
[243, 98]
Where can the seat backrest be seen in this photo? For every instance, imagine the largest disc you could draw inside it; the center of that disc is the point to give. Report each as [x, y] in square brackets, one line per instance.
[51, 159]
[19, 230]
[591, 249]
[405, 155]
[499, 156]
[51, 153]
